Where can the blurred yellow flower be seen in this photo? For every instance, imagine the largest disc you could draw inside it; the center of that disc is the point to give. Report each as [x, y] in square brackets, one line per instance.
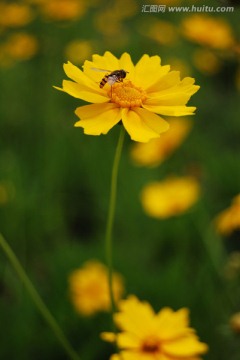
[146, 335]
[206, 61]
[170, 197]
[148, 88]
[229, 220]
[235, 322]
[89, 290]
[164, 32]
[78, 50]
[181, 65]
[21, 46]
[14, 15]
[157, 150]
[114, 24]
[209, 31]
[62, 10]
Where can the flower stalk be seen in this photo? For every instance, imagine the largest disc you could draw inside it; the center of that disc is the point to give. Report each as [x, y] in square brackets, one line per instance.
[110, 218]
[37, 300]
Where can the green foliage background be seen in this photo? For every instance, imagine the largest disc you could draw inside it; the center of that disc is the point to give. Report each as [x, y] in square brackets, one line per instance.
[58, 181]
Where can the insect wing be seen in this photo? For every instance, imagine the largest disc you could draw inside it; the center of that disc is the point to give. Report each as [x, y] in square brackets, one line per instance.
[101, 70]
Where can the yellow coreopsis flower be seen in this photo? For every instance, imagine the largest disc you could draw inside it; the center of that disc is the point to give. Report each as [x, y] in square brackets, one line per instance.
[157, 150]
[89, 290]
[14, 15]
[136, 97]
[209, 31]
[229, 220]
[170, 197]
[234, 322]
[149, 336]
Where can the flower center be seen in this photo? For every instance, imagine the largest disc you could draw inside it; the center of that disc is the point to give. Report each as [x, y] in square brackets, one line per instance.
[151, 345]
[127, 95]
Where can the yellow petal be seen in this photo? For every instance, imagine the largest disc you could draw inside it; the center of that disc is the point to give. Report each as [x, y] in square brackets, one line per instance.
[107, 61]
[170, 110]
[135, 317]
[167, 81]
[148, 71]
[74, 73]
[184, 347]
[107, 336]
[173, 324]
[153, 121]
[126, 63]
[81, 92]
[138, 128]
[97, 119]
[128, 341]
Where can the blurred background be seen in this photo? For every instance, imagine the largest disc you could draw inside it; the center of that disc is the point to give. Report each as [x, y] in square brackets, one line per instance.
[54, 181]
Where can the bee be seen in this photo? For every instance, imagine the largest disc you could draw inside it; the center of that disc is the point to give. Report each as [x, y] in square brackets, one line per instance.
[112, 77]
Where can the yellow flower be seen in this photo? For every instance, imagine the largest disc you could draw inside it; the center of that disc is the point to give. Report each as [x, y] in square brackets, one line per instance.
[78, 50]
[235, 322]
[229, 220]
[21, 46]
[208, 31]
[170, 197]
[149, 336]
[148, 89]
[15, 15]
[206, 61]
[164, 32]
[157, 150]
[61, 10]
[89, 288]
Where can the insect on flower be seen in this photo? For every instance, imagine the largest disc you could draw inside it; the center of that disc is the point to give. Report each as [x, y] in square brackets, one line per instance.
[112, 77]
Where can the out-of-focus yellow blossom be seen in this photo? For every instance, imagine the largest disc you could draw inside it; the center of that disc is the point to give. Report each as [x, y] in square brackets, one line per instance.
[62, 10]
[147, 89]
[114, 24]
[164, 32]
[89, 289]
[232, 267]
[229, 220]
[14, 15]
[78, 50]
[146, 335]
[206, 61]
[157, 150]
[181, 65]
[21, 46]
[170, 197]
[208, 31]
[113, 16]
[235, 322]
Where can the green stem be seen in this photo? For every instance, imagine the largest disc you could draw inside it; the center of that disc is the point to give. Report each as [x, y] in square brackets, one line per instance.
[110, 219]
[37, 300]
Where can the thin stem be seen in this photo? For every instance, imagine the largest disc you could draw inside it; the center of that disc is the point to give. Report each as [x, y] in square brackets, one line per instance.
[37, 300]
[110, 219]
